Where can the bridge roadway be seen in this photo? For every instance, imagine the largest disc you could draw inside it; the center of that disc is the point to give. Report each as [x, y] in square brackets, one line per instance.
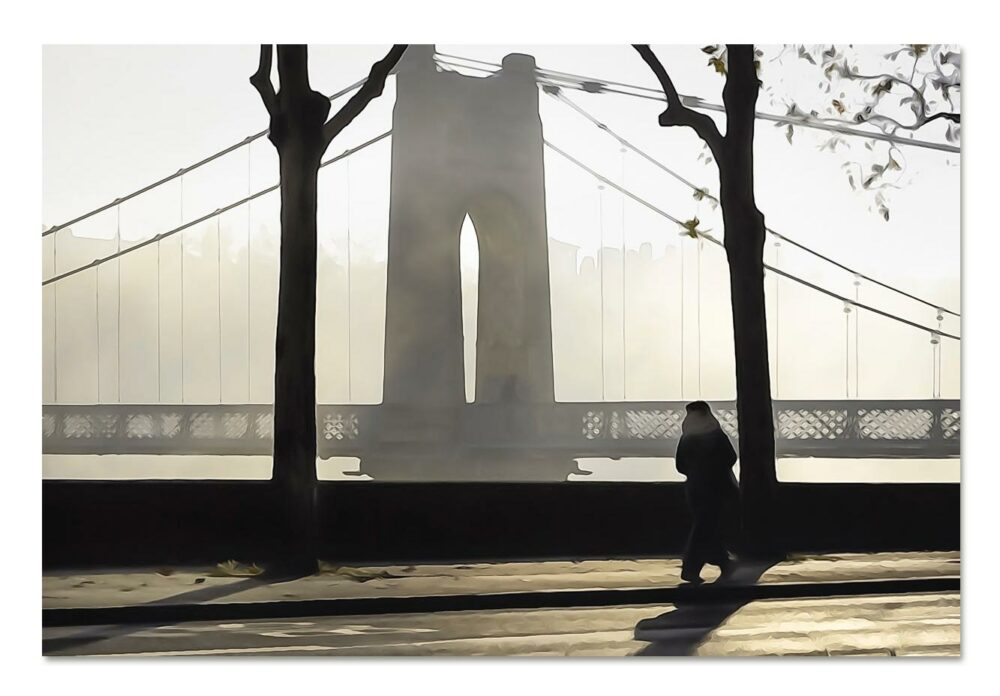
[830, 428]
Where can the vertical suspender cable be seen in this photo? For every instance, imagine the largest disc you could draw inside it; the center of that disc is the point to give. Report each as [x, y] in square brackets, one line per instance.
[857, 340]
[698, 309]
[118, 328]
[938, 394]
[935, 341]
[847, 350]
[218, 288]
[680, 249]
[936, 359]
[600, 260]
[249, 264]
[624, 305]
[159, 342]
[350, 395]
[55, 319]
[940, 317]
[777, 320]
[97, 326]
[181, 244]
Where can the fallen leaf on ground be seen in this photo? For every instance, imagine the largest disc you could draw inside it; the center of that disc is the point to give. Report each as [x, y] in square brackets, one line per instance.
[235, 569]
[356, 574]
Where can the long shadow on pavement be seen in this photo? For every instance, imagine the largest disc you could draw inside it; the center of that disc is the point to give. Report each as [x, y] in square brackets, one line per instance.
[682, 630]
[95, 634]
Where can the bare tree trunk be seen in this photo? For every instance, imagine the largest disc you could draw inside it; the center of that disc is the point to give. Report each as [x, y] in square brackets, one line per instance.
[297, 134]
[294, 472]
[753, 386]
[301, 133]
[745, 235]
[745, 238]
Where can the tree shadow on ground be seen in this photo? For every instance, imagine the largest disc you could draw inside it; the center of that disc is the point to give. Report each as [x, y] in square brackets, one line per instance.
[96, 634]
[679, 632]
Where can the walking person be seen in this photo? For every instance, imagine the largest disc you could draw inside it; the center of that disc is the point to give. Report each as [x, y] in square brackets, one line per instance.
[706, 457]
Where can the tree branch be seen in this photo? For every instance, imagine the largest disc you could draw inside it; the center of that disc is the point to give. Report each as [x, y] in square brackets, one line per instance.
[261, 80]
[676, 113]
[371, 89]
[954, 118]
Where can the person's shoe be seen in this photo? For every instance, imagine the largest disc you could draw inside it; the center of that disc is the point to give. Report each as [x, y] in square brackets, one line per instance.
[727, 568]
[691, 578]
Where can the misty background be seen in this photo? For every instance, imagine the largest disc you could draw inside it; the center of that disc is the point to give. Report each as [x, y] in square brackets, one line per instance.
[629, 296]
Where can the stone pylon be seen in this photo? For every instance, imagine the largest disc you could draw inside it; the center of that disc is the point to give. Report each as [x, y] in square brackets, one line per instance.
[463, 145]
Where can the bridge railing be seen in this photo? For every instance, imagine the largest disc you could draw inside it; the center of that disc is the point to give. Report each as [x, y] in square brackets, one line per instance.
[833, 428]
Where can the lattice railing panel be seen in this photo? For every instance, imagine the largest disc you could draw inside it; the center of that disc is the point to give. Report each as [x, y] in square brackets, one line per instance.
[651, 424]
[812, 424]
[729, 421]
[895, 424]
[593, 425]
[951, 423]
[340, 426]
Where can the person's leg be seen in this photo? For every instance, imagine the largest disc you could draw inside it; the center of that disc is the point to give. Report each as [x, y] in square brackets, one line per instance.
[716, 552]
[694, 554]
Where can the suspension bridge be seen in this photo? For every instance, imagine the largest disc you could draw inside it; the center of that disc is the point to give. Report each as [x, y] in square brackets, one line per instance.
[462, 145]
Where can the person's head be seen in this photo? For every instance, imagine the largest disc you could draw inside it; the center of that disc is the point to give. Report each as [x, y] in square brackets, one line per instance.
[699, 419]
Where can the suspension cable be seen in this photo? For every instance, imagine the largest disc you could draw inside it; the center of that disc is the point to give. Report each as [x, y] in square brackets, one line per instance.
[185, 225]
[186, 170]
[597, 87]
[557, 94]
[593, 85]
[715, 241]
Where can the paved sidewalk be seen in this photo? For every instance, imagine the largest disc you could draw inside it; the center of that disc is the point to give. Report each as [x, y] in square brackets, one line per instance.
[223, 585]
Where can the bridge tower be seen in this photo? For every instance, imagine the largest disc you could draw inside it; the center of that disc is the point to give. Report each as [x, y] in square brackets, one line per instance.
[462, 146]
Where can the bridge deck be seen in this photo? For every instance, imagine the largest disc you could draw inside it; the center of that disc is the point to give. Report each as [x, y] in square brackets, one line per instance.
[840, 429]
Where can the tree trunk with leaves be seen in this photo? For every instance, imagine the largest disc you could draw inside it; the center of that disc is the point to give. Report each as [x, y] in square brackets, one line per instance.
[301, 133]
[744, 243]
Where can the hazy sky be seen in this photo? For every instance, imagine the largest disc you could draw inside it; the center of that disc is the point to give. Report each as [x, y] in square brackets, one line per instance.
[117, 118]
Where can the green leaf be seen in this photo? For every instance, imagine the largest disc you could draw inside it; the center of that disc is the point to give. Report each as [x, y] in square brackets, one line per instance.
[691, 228]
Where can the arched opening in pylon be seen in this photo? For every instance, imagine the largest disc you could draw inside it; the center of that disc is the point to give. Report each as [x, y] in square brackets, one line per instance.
[468, 249]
